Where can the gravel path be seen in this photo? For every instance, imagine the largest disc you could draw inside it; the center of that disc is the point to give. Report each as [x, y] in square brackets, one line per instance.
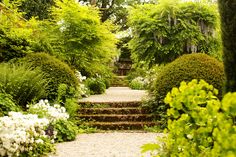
[116, 144]
[117, 94]
[110, 144]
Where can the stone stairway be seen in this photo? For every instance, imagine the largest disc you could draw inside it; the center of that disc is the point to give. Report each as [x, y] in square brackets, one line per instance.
[120, 81]
[115, 115]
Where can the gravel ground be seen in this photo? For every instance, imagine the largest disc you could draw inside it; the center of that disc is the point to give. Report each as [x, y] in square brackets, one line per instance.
[116, 144]
[109, 144]
[117, 94]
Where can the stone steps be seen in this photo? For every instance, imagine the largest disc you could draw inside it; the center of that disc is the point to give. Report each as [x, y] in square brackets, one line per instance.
[110, 104]
[125, 110]
[124, 125]
[115, 115]
[120, 81]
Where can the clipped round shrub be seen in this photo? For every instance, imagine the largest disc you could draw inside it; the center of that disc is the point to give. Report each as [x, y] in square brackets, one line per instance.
[95, 86]
[186, 68]
[57, 71]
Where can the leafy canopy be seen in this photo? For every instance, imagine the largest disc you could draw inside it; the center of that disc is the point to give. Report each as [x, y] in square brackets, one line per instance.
[80, 36]
[169, 29]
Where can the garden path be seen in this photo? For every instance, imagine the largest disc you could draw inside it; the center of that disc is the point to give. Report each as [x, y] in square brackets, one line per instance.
[117, 94]
[111, 143]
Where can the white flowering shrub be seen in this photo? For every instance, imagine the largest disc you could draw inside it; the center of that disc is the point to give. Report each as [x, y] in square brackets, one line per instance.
[60, 129]
[139, 83]
[80, 77]
[21, 134]
[82, 89]
[52, 113]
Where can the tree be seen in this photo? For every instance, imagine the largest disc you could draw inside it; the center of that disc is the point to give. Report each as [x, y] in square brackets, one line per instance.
[81, 38]
[163, 32]
[228, 26]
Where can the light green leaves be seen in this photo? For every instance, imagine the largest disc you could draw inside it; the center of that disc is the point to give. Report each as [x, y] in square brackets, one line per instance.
[199, 124]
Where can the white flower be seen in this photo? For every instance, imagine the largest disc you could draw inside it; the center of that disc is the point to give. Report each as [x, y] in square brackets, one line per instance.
[53, 113]
[19, 131]
[190, 136]
[39, 141]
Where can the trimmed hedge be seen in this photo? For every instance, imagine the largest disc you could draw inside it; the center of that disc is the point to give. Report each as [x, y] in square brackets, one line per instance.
[57, 71]
[186, 68]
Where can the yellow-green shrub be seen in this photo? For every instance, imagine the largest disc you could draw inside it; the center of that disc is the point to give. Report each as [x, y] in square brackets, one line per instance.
[199, 123]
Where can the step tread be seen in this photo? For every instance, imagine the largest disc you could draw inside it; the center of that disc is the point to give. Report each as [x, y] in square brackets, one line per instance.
[114, 115]
[108, 102]
[120, 123]
[116, 104]
[112, 108]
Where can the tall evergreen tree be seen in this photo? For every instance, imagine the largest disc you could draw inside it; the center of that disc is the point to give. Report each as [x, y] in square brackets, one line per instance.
[228, 26]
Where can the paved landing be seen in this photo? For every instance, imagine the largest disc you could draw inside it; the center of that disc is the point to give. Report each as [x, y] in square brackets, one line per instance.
[117, 94]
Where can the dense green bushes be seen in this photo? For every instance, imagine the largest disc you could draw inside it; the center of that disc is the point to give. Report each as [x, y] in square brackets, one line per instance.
[23, 83]
[7, 104]
[163, 32]
[199, 123]
[186, 68]
[96, 85]
[66, 130]
[56, 70]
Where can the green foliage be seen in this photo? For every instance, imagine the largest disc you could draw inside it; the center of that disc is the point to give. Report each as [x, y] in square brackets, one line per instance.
[138, 83]
[13, 36]
[7, 104]
[81, 39]
[95, 85]
[199, 124]
[40, 149]
[185, 68]
[86, 129]
[23, 83]
[56, 70]
[18, 37]
[66, 130]
[169, 29]
[228, 28]
[71, 106]
[36, 8]
[65, 92]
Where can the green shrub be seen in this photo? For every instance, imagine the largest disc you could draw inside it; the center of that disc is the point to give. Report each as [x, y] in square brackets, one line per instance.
[23, 83]
[7, 104]
[66, 130]
[138, 83]
[185, 68]
[95, 85]
[72, 107]
[40, 149]
[65, 92]
[56, 70]
[107, 82]
[199, 124]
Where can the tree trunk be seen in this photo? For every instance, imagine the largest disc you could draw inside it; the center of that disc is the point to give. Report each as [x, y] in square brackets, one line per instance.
[228, 26]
